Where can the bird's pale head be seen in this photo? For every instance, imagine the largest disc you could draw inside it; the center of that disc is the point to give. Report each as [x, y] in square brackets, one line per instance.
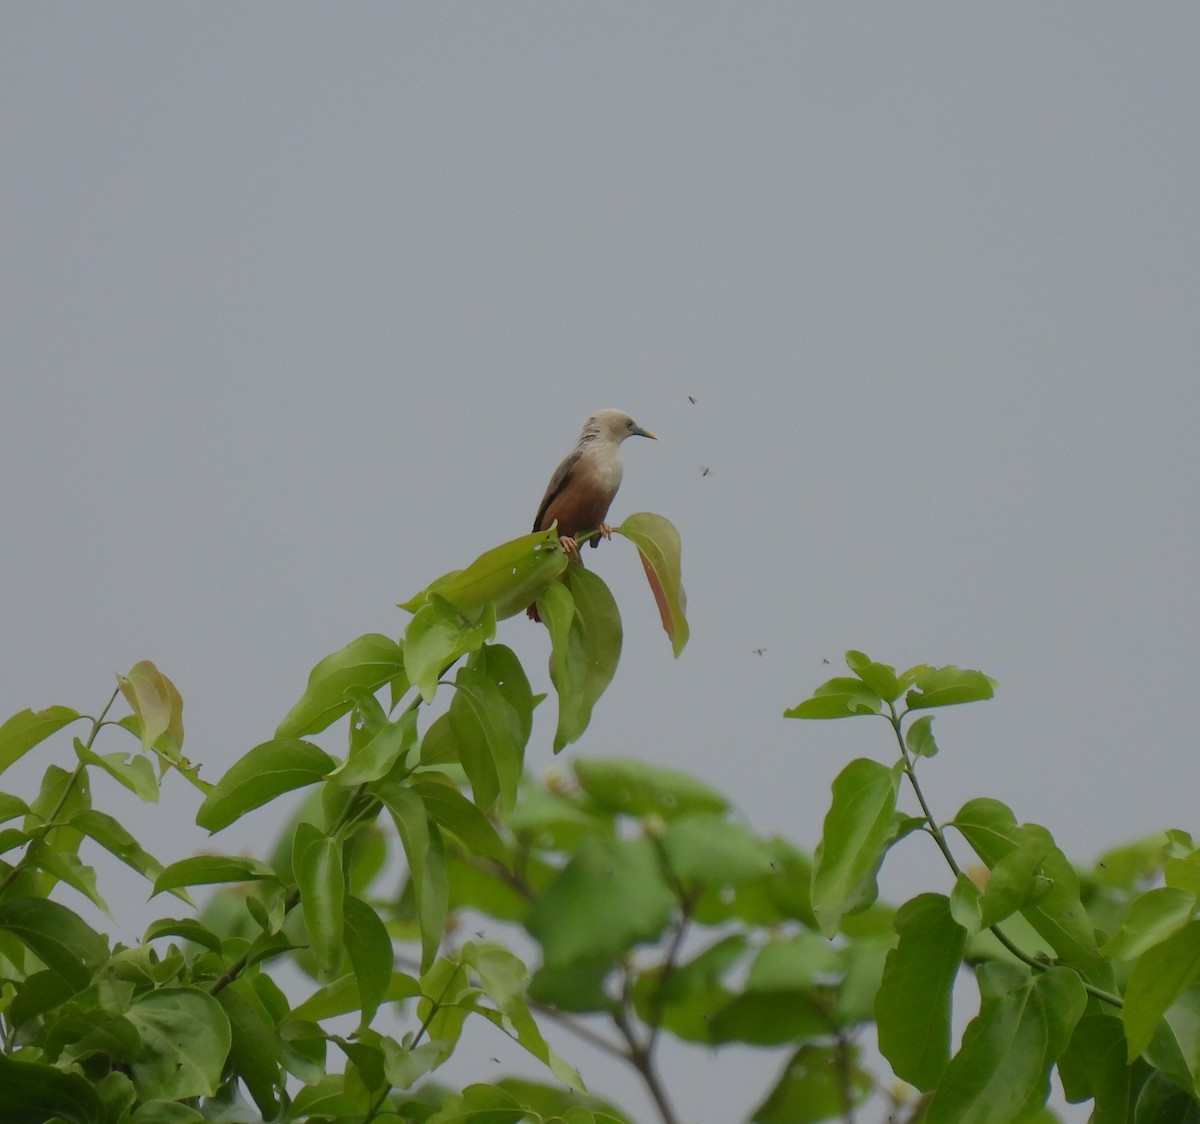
[612, 425]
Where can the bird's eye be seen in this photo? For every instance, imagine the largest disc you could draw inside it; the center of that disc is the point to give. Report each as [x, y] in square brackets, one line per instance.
[629, 424]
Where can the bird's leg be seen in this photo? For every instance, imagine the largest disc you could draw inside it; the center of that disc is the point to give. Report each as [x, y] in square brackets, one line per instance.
[570, 546]
[606, 530]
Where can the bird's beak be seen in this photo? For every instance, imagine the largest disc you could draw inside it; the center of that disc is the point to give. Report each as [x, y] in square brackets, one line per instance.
[640, 432]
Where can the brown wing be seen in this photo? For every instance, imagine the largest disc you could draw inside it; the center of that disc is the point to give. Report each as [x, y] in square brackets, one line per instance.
[557, 482]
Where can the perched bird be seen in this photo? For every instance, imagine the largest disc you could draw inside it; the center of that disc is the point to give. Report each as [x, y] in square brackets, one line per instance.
[583, 486]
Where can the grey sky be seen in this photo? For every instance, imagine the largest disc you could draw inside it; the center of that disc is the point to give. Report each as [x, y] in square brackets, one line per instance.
[301, 306]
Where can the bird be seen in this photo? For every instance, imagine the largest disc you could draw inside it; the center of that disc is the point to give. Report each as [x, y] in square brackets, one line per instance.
[583, 486]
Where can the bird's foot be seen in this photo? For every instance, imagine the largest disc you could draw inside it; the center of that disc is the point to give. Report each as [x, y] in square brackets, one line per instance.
[606, 530]
[570, 546]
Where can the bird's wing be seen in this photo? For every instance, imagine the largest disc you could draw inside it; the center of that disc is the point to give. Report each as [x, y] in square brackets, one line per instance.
[557, 482]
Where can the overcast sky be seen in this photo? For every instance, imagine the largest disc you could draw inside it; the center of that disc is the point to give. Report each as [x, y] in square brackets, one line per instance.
[301, 306]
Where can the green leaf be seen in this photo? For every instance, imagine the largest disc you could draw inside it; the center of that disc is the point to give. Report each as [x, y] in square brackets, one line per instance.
[203, 870]
[133, 771]
[260, 775]
[11, 807]
[27, 728]
[437, 636]
[1152, 917]
[448, 807]
[317, 862]
[365, 664]
[635, 788]
[502, 667]
[593, 651]
[585, 644]
[156, 704]
[1161, 1102]
[424, 850]
[947, 686]
[117, 841]
[342, 997]
[610, 895]
[1093, 1067]
[707, 850]
[919, 737]
[1057, 915]
[186, 928]
[815, 1085]
[912, 1008]
[62, 866]
[881, 678]
[254, 1047]
[370, 950]
[1015, 882]
[510, 576]
[841, 697]
[376, 756]
[659, 547]
[487, 734]
[31, 1093]
[185, 1041]
[166, 1112]
[855, 833]
[503, 978]
[1001, 1073]
[1159, 976]
[63, 941]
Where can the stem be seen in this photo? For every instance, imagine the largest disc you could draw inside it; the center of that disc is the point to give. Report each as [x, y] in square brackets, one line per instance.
[939, 837]
[842, 1064]
[642, 1060]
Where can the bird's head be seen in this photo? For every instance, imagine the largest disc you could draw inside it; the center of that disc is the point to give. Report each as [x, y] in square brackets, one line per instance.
[612, 425]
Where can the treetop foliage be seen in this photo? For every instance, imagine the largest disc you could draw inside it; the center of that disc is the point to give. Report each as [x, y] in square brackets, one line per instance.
[329, 979]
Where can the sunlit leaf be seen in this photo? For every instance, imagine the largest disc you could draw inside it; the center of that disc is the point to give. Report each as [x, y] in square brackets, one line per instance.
[1152, 917]
[509, 576]
[947, 686]
[156, 703]
[881, 678]
[132, 770]
[919, 737]
[27, 728]
[376, 756]
[266, 771]
[1159, 976]
[435, 638]
[841, 697]
[1057, 912]
[855, 832]
[365, 664]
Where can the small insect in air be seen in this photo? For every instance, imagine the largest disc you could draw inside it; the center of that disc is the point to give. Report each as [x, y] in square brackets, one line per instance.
[691, 400]
[757, 651]
[705, 470]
